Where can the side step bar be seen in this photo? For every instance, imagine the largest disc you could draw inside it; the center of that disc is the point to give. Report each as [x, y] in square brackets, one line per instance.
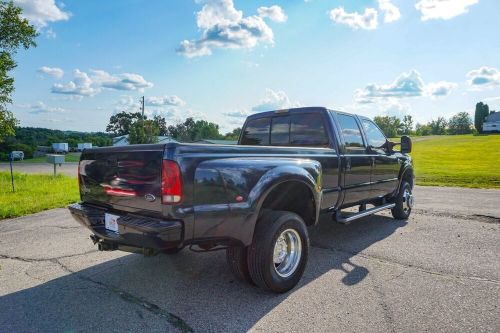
[348, 219]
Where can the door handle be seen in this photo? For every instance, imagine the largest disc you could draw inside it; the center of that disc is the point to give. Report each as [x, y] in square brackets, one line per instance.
[348, 163]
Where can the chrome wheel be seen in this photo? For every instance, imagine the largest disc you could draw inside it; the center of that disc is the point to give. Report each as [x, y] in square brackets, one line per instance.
[287, 253]
[407, 200]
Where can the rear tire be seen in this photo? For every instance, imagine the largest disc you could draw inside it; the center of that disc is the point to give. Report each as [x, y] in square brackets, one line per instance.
[238, 264]
[278, 254]
[403, 201]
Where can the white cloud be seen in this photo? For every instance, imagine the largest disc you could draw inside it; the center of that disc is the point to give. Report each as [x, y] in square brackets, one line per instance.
[225, 27]
[128, 104]
[125, 81]
[484, 77]
[492, 99]
[238, 114]
[443, 9]
[408, 84]
[81, 85]
[394, 108]
[440, 89]
[52, 71]
[164, 101]
[42, 108]
[275, 13]
[389, 10]
[368, 20]
[42, 12]
[50, 34]
[84, 84]
[274, 100]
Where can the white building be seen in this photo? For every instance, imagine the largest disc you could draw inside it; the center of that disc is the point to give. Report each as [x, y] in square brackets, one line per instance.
[492, 123]
[60, 147]
[82, 146]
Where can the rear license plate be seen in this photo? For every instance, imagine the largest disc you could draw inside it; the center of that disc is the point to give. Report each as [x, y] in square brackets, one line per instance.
[110, 222]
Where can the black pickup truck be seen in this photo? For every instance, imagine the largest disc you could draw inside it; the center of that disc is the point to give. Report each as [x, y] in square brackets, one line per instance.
[255, 199]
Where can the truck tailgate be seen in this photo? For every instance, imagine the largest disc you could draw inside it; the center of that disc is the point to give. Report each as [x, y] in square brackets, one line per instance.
[122, 177]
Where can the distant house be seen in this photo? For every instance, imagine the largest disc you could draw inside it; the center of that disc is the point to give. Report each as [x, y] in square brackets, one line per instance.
[218, 142]
[84, 145]
[60, 147]
[123, 140]
[492, 122]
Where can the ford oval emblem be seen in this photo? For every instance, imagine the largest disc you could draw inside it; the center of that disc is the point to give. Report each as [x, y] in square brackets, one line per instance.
[149, 197]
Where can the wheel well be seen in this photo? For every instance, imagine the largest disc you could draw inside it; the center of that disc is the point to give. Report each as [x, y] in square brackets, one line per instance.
[292, 196]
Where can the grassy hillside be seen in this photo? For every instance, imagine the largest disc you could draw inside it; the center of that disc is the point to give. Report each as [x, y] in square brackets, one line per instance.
[457, 160]
[35, 193]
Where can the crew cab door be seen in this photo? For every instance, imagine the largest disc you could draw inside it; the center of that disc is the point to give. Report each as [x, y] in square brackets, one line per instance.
[356, 162]
[385, 169]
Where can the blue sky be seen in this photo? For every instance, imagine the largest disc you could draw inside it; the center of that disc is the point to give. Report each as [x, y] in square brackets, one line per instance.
[221, 60]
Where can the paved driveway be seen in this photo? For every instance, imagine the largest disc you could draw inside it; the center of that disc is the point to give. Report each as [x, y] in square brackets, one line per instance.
[440, 271]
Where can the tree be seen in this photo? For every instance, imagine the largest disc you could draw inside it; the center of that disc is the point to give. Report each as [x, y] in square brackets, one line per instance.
[407, 125]
[482, 111]
[460, 123]
[438, 127]
[422, 129]
[119, 124]
[15, 32]
[161, 123]
[391, 126]
[234, 135]
[7, 124]
[191, 130]
[143, 131]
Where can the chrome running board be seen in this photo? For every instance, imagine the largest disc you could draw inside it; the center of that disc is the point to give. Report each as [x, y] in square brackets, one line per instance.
[349, 218]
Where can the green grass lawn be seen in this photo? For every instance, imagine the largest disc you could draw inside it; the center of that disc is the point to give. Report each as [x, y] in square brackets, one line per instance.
[70, 157]
[457, 160]
[34, 193]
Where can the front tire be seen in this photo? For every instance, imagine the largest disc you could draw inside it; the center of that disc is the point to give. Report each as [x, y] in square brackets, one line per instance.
[278, 254]
[403, 201]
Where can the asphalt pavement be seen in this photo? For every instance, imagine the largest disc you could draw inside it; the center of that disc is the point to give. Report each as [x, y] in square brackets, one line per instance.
[69, 169]
[439, 272]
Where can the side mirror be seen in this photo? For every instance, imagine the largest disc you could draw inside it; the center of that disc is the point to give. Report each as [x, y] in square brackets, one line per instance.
[406, 144]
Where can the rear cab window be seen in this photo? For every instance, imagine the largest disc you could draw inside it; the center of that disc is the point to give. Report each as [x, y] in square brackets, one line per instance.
[256, 132]
[296, 130]
[308, 130]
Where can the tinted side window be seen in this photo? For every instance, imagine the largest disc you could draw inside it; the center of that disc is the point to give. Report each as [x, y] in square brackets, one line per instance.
[308, 130]
[280, 131]
[375, 137]
[256, 132]
[351, 134]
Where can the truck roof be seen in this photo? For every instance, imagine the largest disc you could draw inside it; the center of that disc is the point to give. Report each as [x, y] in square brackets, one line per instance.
[290, 111]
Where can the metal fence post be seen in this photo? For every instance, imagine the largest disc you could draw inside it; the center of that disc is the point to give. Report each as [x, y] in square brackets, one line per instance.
[11, 158]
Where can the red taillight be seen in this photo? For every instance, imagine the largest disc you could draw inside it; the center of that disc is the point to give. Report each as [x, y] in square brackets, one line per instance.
[171, 184]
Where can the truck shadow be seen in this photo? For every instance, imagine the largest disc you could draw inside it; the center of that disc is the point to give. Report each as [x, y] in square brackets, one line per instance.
[185, 292]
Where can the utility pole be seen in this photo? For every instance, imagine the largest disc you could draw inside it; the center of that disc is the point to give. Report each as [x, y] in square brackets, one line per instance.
[142, 107]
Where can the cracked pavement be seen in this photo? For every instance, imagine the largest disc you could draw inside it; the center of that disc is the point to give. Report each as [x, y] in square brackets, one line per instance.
[439, 271]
